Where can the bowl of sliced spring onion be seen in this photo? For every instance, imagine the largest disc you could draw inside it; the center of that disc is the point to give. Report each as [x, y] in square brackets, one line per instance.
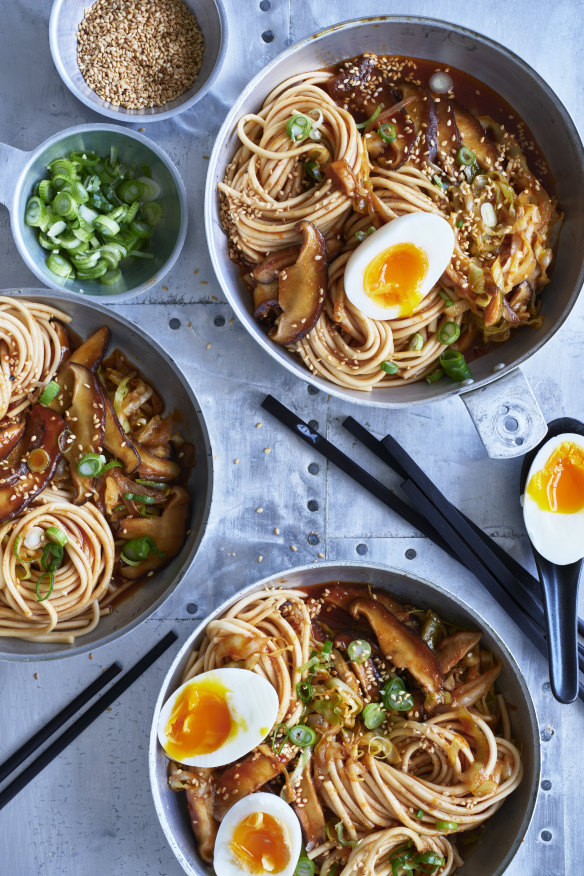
[96, 209]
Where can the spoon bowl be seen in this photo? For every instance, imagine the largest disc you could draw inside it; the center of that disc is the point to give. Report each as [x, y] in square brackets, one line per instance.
[560, 590]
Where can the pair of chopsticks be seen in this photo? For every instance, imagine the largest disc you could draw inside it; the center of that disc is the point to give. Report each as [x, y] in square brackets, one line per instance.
[85, 719]
[514, 588]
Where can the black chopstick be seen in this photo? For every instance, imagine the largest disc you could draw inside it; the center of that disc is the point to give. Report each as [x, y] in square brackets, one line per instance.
[61, 742]
[58, 721]
[510, 573]
[440, 536]
[345, 463]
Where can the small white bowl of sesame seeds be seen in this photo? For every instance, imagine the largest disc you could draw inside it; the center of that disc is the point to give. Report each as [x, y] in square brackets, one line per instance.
[138, 60]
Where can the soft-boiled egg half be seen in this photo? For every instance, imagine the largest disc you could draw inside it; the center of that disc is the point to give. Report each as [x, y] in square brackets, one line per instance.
[392, 271]
[217, 717]
[260, 834]
[553, 502]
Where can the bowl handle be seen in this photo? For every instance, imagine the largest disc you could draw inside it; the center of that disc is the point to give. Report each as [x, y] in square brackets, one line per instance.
[12, 162]
[506, 415]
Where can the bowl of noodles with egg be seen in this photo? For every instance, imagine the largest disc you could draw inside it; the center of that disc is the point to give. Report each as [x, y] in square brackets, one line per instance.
[391, 210]
[401, 737]
[105, 475]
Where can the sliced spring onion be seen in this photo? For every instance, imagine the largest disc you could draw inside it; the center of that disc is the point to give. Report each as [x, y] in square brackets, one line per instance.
[446, 825]
[387, 132]
[35, 212]
[446, 298]
[150, 189]
[304, 691]
[115, 463]
[60, 266]
[359, 650]
[431, 858]
[56, 535]
[435, 376]
[91, 465]
[46, 190]
[389, 367]
[440, 82]
[326, 650]
[130, 190]
[470, 171]
[64, 205]
[417, 342]
[156, 485]
[65, 441]
[107, 225]
[137, 549]
[370, 121]
[15, 547]
[111, 277]
[373, 715]
[459, 223]
[50, 391]
[304, 867]
[488, 214]
[277, 729]
[440, 182]
[152, 212]
[93, 273]
[302, 735]
[38, 460]
[454, 365]
[361, 235]
[51, 575]
[420, 813]
[298, 127]
[395, 696]
[466, 156]
[339, 830]
[448, 333]
[139, 497]
[313, 171]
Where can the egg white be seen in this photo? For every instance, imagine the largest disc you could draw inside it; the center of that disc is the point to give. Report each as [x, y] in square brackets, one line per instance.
[253, 703]
[224, 863]
[431, 233]
[556, 536]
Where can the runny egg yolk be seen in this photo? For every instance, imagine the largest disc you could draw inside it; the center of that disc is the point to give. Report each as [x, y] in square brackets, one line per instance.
[200, 720]
[260, 844]
[394, 277]
[559, 485]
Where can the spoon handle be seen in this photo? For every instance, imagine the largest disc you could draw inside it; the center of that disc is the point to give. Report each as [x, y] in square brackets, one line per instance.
[560, 593]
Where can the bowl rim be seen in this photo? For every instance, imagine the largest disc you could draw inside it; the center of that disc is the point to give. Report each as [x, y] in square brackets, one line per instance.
[205, 458]
[16, 221]
[212, 222]
[347, 566]
[123, 114]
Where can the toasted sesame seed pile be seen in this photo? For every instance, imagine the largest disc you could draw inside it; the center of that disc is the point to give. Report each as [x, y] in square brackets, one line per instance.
[139, 53]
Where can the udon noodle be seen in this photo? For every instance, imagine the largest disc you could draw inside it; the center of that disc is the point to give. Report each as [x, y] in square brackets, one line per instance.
[406, 780]
[90, 502]
[338, 174]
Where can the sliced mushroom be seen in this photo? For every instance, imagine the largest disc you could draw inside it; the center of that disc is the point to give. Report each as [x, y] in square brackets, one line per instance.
[422, 112]
[390, 156]
[156, 433]
[270, 268]
[265, 301]
[466, 695]
[64, 339]
[200, 799]
[10, 436]
[115, 439]
[308, 808]
[247, 776]
[451, 649]
[302, 288]
[401, 645]
[474, 137]
[43, 430]
[167, 532]
[85, 419]
[88, 355]
[519, 299]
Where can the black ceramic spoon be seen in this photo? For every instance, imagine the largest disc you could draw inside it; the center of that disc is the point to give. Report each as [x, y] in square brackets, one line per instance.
[560, 592]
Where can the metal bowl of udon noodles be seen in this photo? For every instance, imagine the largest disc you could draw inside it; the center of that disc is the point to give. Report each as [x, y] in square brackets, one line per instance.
[503, 832]
[549, 122]
[157, 366]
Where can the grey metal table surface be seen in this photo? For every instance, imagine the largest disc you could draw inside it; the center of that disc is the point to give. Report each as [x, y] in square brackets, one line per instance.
[90, 811]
